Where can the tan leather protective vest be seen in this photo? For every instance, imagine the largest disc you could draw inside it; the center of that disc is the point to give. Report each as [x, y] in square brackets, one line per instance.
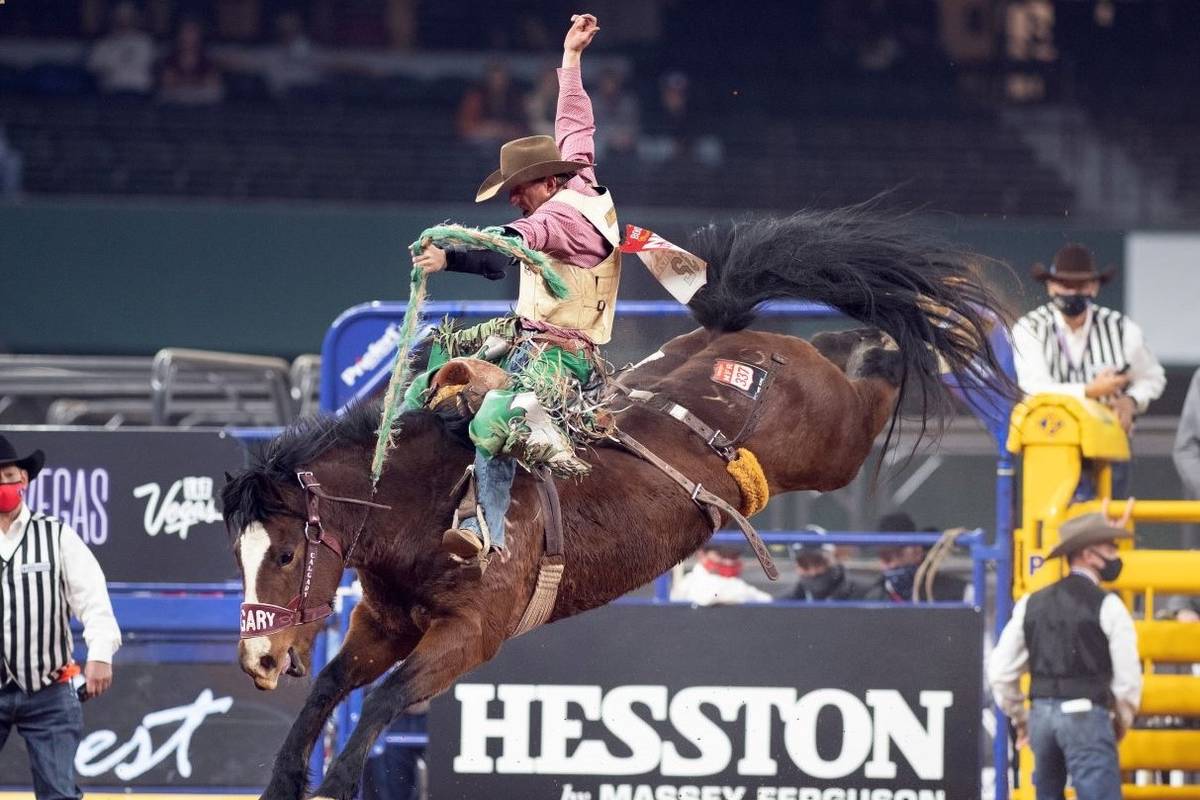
[593, 300]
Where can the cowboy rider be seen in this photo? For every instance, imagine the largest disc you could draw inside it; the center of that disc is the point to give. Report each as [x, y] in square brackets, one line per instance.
[571, 219]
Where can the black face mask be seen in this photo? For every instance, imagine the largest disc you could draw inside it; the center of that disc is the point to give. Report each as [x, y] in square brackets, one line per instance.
[901, 580]
[1071, 305]
[820, 587]
[1111, 569]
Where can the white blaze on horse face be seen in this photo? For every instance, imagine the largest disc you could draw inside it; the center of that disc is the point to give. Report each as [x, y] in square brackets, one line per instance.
[253, 543]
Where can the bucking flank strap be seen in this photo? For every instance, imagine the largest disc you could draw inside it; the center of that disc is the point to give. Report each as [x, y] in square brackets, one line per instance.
[751, 481]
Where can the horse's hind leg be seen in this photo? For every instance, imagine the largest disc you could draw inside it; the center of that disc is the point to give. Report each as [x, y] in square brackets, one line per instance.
[878, 362]
[450, 647]
[365, 654]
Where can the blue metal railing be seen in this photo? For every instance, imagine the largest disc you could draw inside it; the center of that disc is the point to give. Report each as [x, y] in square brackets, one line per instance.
[331, 367]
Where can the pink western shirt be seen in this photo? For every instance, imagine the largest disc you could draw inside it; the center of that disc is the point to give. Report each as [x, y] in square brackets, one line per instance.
[555, 228]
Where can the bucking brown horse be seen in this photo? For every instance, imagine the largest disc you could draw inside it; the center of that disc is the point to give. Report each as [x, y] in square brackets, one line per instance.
[812, 426]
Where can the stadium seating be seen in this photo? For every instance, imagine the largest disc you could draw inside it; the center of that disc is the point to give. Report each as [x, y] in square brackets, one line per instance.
[393, 143]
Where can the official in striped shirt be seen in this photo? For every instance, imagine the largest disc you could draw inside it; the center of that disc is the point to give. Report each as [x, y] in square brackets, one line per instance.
[47, 574]
[1073, 346]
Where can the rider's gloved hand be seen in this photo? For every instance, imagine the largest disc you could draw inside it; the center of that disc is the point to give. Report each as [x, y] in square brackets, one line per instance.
[431, 259]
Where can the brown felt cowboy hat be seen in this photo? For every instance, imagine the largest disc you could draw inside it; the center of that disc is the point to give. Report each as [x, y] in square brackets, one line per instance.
[524, 160]
[1076, 534]
[1073, 263]
[31, 463]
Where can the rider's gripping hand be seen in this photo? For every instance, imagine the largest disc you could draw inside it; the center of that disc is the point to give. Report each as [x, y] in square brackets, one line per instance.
[431, 259]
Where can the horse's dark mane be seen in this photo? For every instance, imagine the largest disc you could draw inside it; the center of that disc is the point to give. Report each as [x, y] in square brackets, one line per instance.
[254, 495]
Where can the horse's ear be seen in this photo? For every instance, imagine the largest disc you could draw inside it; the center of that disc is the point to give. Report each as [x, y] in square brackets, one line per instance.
[228, 477]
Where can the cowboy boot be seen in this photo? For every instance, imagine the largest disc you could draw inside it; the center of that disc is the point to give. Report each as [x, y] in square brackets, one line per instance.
[545, 443]
[462, 543]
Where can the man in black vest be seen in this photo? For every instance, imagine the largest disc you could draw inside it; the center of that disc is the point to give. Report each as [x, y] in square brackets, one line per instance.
[47, 574]
[1078, 643]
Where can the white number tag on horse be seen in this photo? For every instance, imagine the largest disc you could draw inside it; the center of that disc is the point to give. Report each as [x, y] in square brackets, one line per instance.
[681, 273]
[743, 377]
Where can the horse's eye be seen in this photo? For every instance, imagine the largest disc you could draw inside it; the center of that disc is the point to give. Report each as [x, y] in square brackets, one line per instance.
[285, 558]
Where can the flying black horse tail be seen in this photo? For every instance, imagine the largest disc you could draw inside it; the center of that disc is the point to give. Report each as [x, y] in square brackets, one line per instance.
[882, 271]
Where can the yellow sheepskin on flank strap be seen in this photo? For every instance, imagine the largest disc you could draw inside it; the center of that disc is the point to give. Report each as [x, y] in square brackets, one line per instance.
[748, 474]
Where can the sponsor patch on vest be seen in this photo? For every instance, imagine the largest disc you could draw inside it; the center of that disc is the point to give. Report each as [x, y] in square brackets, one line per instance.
[745, 378]
[41, 566]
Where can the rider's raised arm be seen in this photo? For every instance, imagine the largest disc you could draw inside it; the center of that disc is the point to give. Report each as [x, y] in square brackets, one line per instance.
[574, 124]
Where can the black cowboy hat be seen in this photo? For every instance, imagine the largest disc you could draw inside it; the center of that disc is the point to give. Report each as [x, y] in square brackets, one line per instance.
[31, 463]
[1073, 263]
[1079, 532]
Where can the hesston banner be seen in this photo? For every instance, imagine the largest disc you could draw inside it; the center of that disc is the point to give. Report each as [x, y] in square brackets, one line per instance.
[732, 703]
[145, 501]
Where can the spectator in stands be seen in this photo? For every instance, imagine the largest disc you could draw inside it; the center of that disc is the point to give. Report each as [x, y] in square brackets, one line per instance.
[50, 575]
[490, 112]
[1072, 346]
[821, 576]
[672, 132]
[293, 66]
[11, 166]
[123, 61]
[716, 580]
[1079, 645]
[899, 564]
[189, 76]
[617, 115]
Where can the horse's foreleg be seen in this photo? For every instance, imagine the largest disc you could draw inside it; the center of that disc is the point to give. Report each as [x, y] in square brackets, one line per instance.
[365, 654]
[450, 647]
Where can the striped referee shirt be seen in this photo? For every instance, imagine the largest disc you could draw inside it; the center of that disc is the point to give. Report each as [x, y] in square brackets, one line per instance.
[46, 573]
[1050, 357]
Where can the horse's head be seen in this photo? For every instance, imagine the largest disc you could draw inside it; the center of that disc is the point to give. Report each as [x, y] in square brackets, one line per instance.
[278, 553]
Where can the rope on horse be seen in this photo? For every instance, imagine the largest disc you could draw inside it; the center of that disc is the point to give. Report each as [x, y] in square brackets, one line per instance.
[493, 239]
[393, 400]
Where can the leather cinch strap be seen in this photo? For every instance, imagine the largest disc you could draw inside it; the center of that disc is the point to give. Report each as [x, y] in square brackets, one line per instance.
[713, 505]
[552, 564]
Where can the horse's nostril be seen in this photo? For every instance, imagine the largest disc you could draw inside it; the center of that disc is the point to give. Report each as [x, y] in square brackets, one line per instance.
[267, 663]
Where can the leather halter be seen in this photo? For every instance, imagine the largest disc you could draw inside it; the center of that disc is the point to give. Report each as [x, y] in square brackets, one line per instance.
[265, 619]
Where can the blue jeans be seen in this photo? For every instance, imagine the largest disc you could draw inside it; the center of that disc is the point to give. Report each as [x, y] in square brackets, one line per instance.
[51, 723]
[493, 491]
[1080, 744]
